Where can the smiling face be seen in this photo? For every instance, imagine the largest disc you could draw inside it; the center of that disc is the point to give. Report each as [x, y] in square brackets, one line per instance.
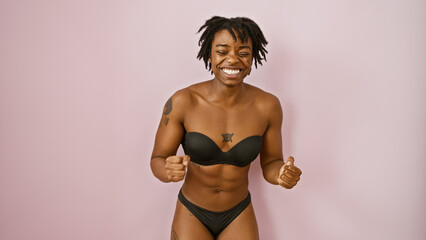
[231, 60]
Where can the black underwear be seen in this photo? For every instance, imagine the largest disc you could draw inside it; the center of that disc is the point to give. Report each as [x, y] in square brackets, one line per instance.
[204, 151]
[215, 222]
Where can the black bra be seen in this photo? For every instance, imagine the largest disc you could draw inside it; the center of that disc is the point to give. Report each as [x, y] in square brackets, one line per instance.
[205, 151]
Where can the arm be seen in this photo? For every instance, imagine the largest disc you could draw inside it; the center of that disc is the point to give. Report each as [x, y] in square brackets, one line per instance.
[164, 164]
[271, 158]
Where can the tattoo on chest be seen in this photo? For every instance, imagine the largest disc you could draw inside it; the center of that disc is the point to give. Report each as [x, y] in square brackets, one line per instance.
[227, 137]
[167, 110]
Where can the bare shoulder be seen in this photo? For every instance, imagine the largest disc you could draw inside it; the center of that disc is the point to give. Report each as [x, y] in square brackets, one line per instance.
[181, 97]
[195, 92]
[264, 100]
[185, 97]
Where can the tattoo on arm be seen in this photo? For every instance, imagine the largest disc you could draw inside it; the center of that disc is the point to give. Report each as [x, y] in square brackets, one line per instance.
[174, 235]
[227, 137]
[167, 110]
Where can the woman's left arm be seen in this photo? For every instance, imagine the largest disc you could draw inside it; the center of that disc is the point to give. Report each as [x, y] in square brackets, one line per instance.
[271, 157]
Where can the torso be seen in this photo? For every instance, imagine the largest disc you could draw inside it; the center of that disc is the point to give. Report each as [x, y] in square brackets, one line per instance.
[219, 187]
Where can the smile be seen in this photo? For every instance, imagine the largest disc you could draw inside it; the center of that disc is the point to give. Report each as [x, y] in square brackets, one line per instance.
[231, 71]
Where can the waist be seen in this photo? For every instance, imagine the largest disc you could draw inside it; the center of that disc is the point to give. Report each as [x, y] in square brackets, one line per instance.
[214, 198]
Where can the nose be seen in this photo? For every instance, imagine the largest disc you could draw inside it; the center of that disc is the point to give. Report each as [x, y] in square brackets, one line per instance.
[232, 58]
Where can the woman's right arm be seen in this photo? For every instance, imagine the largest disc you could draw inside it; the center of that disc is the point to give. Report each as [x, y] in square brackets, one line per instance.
[164, 164]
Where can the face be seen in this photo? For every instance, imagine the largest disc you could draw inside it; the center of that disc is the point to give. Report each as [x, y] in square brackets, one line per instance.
[231, 60]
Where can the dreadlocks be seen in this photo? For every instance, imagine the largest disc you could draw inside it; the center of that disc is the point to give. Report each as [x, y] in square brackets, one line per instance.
[244, 27]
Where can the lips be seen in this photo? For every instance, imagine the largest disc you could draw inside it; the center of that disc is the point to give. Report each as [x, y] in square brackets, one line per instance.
[231, 71]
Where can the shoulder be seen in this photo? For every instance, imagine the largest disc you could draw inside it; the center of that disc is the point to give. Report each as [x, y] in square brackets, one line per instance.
[180, 97]
[186, 97]
[267, 105]
[264, 100]
[188, 94]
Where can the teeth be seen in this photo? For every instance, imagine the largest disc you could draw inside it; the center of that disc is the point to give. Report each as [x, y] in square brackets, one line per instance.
[231, 71]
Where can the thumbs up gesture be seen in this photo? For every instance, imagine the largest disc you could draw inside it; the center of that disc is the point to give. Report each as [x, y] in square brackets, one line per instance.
[289, 174]
[176, 167]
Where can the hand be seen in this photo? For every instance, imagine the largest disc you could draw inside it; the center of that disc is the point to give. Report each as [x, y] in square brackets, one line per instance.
[176, 167]
[289, 174]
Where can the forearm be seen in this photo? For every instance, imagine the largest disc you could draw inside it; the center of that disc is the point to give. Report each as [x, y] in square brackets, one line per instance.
[271, 171]
[158, 167]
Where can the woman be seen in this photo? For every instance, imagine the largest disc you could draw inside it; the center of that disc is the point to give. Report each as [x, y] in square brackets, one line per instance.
[222, 124]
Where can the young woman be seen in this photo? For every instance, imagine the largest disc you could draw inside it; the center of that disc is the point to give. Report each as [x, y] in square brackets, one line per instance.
[222, 124]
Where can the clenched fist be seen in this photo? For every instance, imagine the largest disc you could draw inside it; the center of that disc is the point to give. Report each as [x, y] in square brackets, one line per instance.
[289, 174]
[176, 167]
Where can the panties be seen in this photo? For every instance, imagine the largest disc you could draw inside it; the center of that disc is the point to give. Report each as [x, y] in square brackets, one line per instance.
[215, 222]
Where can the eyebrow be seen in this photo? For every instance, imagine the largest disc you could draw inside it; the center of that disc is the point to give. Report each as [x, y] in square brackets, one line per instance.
[226, 45]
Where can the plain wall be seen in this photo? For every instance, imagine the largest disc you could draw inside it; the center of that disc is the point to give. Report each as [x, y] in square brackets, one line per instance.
[83, 85]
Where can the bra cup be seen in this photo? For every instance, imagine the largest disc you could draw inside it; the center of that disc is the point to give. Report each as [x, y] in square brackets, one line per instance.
[201, 147]
[246, 152]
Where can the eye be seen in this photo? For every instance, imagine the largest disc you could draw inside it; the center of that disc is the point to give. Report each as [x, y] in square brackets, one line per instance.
[221, 52]
[244, 54]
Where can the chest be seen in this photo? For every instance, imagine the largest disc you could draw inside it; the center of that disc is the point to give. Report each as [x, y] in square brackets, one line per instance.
[225, 127]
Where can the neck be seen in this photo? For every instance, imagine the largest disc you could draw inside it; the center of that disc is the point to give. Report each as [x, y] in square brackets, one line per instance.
[224, 94]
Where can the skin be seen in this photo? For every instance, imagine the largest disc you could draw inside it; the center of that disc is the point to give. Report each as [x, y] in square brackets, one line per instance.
[227, 110]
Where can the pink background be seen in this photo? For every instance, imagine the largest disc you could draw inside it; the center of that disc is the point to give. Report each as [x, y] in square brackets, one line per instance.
[83, 83]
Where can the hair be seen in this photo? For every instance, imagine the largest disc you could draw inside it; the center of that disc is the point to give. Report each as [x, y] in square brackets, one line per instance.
[244, 27]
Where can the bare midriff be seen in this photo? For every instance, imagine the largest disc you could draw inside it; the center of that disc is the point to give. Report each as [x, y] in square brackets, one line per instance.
[216, 187]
